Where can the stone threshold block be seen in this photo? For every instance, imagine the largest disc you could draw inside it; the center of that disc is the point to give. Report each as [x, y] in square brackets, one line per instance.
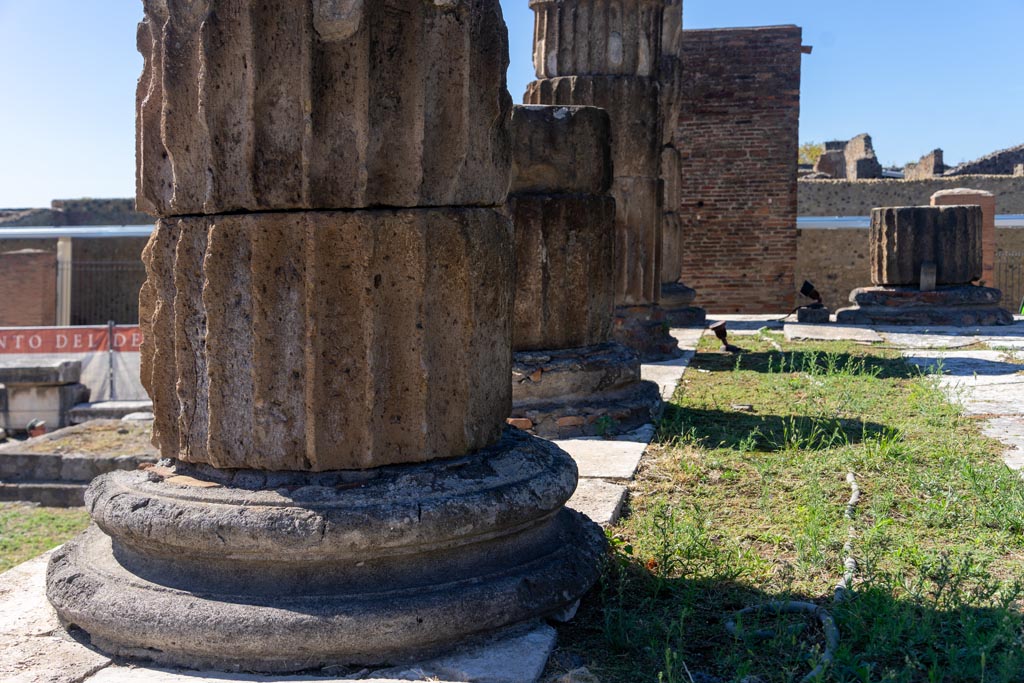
[287, 571]
[315, 104]
[55, 469]
[590, 391]
[962, 306]
[33, 389]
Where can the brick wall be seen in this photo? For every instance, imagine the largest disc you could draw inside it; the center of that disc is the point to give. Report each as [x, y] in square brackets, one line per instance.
[28, 288]
[738, 136]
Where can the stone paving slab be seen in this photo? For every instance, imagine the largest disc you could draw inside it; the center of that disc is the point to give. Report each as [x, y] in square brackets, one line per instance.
[1010, 431]
[600, 459]
[688, 337]
[807, 332]
[742, 323]
[667, 373]
[599, 500]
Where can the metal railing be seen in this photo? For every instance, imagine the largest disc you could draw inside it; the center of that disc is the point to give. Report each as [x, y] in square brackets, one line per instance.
[103, 291]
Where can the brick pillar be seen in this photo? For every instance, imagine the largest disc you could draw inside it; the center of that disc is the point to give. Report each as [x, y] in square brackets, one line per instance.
[987, 201]
[28, 288]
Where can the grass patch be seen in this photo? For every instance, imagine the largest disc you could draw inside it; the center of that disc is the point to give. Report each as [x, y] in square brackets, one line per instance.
[27, 530]
[741, 502]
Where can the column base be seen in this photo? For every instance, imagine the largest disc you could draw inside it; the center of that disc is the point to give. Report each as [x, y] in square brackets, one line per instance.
[589, 391]
[957, 306]
[676, 300]
[275, 572]
[645, 329]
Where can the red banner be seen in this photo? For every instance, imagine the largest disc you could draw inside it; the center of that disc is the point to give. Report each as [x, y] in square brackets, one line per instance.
[69, 339]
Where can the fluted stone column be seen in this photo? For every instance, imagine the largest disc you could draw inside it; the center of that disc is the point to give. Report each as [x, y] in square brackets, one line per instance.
[568, 377]
[607, 53]
[923, 261]
[329, 380]
[676, 297]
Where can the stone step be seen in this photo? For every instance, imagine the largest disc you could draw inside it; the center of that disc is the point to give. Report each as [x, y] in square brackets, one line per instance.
[53, 494]
[108, 410]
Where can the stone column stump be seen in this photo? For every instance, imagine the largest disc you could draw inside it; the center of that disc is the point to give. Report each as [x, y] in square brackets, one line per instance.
[923, 261]
[608, 54]
[568, 378]
[329, 379]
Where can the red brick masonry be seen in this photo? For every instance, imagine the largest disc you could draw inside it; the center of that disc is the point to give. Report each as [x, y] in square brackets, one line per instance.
[738, 135]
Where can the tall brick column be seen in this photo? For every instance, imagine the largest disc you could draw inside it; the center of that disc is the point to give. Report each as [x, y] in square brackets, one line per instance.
[608, 55]
[987, 202]
[329, 380]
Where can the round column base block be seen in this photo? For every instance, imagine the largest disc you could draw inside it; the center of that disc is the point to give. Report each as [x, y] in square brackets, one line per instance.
[250, 571]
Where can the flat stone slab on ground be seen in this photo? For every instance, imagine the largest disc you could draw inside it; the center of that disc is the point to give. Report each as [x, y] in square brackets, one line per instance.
[667, 374]
[599, 500]
[688, 337]
[34, 370]
[1010, 431]
[603, 459]
[805, 332]
[983, 382]
[37, 650]
[108, 410]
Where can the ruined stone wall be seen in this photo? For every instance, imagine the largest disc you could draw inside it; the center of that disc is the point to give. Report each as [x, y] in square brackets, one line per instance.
[737, 136]
[858, 197]
[1002, 162]
[71, 212]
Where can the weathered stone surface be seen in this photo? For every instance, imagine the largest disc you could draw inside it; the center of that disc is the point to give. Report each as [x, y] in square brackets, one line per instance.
[645, 329]
[910, 296]
[560, 149]
[599, 500]
[637, 240]
[596, 37]
[595, 390]
[572, 373]
[813, 315]
[631, 102]
[677, 295]
[309, 104]
[564, 294]
[861, 162]
[35, 650]
[39, 372]
[964, 306]
[357, 574]
[323, 340]
[903, 238]
[673, 244]
[929, 166]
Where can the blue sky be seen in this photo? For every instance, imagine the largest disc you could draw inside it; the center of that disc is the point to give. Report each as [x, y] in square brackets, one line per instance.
[915, 74]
